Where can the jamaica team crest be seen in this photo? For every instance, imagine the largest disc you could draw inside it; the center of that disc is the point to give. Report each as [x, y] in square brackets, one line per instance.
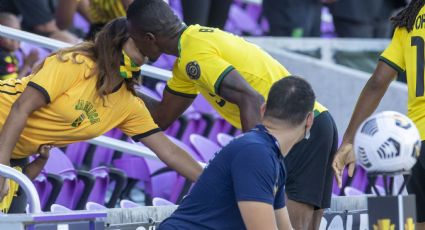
[193, 70]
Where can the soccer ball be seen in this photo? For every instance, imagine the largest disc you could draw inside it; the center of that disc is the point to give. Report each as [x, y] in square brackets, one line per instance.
[387, 142]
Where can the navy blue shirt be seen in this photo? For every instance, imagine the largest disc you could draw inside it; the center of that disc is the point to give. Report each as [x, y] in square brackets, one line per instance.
[249, 168]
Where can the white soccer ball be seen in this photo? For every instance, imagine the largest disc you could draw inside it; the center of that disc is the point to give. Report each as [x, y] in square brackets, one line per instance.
[387, 142]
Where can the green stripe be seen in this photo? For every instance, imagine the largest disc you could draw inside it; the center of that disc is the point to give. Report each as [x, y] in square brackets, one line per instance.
[180, 37]
[316, 112]
[392, 64]
[220, 79]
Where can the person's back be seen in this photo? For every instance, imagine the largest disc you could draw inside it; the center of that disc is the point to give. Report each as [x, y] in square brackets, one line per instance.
[221, 184]
[205, 52]
[243, 186]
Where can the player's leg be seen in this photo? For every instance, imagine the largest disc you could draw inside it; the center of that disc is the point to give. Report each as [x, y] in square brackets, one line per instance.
[416, 186]
[317, 218]
[195, 11]
[309, 181]
[219, 13]
[300, 214]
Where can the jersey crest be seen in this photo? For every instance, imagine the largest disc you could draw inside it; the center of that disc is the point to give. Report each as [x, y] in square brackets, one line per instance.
[193, 70]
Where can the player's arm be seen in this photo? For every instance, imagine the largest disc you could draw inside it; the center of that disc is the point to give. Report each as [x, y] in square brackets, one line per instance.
[257, 215]
[367, 102]
[34, 168]
[282, 219]
[30, 100]
[236, 90]
[166, 111]
[173, 156]
[64, 13]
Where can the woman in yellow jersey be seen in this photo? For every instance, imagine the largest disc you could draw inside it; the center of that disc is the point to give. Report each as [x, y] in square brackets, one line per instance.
[79, 93]
[404, 54]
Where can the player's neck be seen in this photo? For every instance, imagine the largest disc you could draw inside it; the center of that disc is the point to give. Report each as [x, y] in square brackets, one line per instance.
[171, 46]
[286, 136]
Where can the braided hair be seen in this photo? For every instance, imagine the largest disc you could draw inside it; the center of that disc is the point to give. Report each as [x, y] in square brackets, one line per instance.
[406, 17]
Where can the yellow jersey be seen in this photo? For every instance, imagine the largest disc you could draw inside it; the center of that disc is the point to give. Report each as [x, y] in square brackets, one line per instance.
[406, 53]
[207, 55]
[74, 112]
[8, 198]
[103, 11]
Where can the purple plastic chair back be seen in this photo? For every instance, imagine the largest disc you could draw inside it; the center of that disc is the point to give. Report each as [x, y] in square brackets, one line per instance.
[59, 164]
[145, 90]
[350, 191]
[205, 148]
[76, 152]
[103, 155]
[128, 204]
[59, 208]
[158, 201]
[223, 139]
[43, 187]
[98, 193]
[92, 206]
[159, 88]
[240, 21]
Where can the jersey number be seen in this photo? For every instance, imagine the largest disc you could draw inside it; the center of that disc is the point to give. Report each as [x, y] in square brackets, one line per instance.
[419, 43]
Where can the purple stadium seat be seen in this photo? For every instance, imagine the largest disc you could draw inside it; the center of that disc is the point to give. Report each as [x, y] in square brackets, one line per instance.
[102, 155]
[223, 139]
[92, 206]
[158, 201]
[48, 187]
[240, 22]
[79, 186]
[145, 90]
[59, 164]
[204, 147]
[128, 204]
[157, 179]
[76, 152]
[350, 191]
[59, 208]
[98, 193]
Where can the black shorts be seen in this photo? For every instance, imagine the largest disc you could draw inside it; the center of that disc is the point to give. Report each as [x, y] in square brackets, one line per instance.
[309, 164]
[416, 184]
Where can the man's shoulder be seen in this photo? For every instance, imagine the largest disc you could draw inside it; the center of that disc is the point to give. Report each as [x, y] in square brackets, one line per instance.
[255, 143]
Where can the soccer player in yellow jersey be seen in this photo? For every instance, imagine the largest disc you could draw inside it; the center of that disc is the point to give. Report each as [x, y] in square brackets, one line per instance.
[405, 53]
[79, 93]
[235, 76]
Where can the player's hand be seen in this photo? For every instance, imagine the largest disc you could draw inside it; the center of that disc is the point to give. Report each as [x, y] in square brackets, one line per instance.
[4, 189]
[44, 151]
[344, 156]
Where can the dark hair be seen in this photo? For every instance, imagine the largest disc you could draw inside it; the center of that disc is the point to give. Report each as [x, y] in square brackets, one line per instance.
[407, 16]
[290, 99]
[105, 51]
[154, 16]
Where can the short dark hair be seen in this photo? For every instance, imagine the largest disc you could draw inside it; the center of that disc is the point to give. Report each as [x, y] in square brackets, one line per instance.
[154, 16]
[290, 99]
